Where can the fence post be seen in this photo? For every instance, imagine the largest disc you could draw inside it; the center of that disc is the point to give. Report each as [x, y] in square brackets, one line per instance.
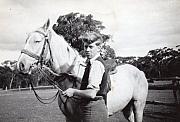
[19, 88]
[178, 99]
[12, 78]
[30, 87]
[176, 91]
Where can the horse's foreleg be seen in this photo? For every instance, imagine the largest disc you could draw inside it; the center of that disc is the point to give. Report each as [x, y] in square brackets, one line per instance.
[138, 110]
[131, 117]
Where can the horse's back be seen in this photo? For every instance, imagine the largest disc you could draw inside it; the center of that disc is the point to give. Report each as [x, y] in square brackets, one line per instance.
[137, 79]
[130, 72]
[126, 74]
[124, 86]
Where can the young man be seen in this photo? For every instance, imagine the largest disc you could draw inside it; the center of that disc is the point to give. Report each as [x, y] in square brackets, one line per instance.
[93, 89]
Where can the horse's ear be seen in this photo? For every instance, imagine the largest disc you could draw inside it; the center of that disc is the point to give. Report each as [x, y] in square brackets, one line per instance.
[46, 25]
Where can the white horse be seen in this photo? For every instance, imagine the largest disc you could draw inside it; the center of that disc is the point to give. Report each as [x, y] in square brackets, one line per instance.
[129, 85]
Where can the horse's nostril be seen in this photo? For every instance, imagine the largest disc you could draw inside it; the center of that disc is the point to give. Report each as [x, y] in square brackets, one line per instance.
[21, 66]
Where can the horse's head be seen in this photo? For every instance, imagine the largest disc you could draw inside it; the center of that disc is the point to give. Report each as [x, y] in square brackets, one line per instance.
[35, 50]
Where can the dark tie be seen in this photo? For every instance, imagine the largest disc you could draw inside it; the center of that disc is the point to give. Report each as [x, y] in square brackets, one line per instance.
[85, 78]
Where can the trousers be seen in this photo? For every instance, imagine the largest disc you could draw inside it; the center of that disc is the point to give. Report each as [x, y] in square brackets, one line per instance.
[93, 111]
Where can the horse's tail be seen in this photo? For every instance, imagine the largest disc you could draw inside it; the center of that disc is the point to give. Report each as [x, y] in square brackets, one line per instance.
[142, 86]
[143, 79]
[132, 109]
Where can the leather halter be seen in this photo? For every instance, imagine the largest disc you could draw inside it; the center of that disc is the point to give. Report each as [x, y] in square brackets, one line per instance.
[35, 56]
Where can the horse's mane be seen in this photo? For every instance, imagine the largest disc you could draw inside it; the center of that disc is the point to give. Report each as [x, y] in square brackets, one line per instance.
[65, 50]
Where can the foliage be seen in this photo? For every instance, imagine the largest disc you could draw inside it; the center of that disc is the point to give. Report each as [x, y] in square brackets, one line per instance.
[72, 25]
[19, 80]
[162, 61]
[107, 52]
[157, 63]
[5, 76]
[128, 60]
[8, 62]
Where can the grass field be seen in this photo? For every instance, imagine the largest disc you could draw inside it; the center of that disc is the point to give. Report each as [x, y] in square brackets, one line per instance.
[22, 106]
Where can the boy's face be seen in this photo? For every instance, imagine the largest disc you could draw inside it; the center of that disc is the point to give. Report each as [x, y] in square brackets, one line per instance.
[92, 49]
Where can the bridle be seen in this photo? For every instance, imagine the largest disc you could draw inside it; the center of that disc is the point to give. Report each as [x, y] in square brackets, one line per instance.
[41, 61]
[39, 58]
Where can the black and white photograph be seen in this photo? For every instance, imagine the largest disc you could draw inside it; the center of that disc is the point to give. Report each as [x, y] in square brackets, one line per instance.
[89, 61]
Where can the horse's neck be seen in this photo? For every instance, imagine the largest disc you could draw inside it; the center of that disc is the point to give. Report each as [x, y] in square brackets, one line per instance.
[64, 56]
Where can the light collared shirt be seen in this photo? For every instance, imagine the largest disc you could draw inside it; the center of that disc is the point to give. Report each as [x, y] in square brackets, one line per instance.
[96, 73]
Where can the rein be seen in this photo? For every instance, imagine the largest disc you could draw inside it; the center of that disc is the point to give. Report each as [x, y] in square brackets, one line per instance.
[51, 99]
[55, 84]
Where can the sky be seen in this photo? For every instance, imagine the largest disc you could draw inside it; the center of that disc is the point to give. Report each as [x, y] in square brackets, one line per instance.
[136, 26]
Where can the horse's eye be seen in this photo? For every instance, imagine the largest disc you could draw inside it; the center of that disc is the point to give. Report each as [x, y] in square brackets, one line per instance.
[37, 41]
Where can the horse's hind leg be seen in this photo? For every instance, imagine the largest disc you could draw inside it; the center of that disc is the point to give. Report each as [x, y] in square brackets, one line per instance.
[138, 110]
[128, 112]
[139, 97]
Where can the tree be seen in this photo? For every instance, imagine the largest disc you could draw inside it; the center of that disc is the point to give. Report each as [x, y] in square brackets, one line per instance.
[145, 64]
[163, 62]
[72, 25]
[5, 76]
[173, 62]
[107, 52]
[128, 60]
